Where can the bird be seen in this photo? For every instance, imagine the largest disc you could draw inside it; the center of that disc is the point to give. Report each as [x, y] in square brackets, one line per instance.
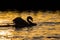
[21, 23]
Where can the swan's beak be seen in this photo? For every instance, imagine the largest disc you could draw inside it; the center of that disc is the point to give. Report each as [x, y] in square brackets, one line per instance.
[31, 19]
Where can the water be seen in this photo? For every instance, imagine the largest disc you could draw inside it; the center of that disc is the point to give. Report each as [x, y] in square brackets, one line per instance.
[44, 29]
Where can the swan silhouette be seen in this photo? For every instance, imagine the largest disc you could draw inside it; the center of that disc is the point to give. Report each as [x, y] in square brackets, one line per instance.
[20, 23]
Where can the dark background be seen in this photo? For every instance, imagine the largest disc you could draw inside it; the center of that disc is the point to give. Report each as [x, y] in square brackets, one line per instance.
[27, 5]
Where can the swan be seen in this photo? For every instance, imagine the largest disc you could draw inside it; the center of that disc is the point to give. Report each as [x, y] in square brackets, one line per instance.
[20, 23]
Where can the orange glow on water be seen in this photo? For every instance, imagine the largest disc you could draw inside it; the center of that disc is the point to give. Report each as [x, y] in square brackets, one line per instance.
[34, 31]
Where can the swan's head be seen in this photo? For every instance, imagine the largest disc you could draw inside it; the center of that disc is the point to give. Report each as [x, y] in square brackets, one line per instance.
[29, 17]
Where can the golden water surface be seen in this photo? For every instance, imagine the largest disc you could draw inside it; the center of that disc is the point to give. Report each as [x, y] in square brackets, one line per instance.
[39, 32]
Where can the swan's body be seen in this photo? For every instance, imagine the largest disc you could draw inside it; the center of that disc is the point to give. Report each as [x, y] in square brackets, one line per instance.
[20, 23]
